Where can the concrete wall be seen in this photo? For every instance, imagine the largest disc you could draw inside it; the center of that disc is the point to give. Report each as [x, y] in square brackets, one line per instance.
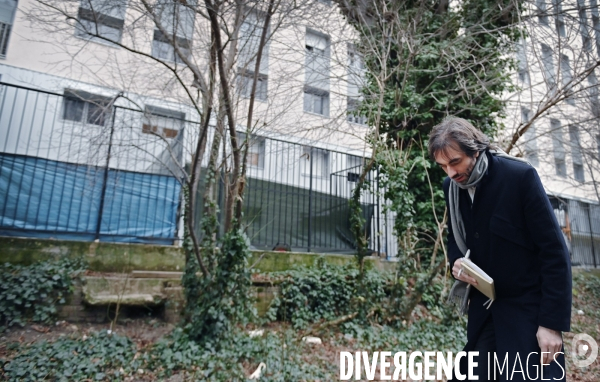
[95, 298]
[124, 258]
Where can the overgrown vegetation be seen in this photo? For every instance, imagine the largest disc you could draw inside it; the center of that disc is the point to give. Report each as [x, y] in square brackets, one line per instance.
[586, 292]
[100, 357]
[33, 292]
[238, 354]
[217, 302]
[104, 356]
[329, 294]
[325, 292]
[425, 61]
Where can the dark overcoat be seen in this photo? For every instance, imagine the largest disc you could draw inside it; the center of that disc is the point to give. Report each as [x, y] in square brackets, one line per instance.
[514, 237]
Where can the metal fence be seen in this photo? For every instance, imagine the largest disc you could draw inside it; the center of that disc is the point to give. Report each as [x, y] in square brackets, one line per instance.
[72, 166]
[297, 196]
[580, 222]
[75, 166]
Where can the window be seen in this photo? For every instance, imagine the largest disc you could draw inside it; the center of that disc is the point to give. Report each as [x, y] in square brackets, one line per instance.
[7, 15]
[316, 88]
[530, 139]
[249, 41]
[245, 85]
[176, 17]
[559, 18]
[559, 150]
[567, 76]
[356, 71]
[250, 33]
[319, 159]
[541, 11]
[595, 22]
[593, 94]
[353, 114]
[549, 75]
[164, 48]
[255, 156]
[523, 69]
[316, 100]
[583, 26]
[79, 106]
[100, 20]
[576, 153]
[162, 122]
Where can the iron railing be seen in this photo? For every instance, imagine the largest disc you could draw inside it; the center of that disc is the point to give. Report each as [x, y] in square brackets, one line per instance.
[580, 222]
[75, 166]
[298, 197]
[81, 168]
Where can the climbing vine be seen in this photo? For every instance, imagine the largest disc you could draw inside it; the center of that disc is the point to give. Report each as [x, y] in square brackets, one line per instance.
[33, 292]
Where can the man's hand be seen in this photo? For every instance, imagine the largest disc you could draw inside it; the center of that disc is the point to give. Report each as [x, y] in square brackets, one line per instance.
[550, 342]
[459, 274]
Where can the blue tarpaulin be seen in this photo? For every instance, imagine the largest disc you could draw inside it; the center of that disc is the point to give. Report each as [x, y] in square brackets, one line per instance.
[46, 198]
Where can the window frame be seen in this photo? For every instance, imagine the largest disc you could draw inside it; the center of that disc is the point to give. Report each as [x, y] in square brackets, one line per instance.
[531, 153]
[153, 129]
[318, 87]
[87, 101]
[256, 145]
[576, 154]
[99, 19]
[559, 149]
[559, 21]
[542, 15]
[244, 82]
[311, 92]
[548, 66]
[183, 44]
[6, 26]
[567, 77]
[522, 64]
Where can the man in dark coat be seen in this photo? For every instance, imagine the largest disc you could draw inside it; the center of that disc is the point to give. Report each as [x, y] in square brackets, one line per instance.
[502, 216]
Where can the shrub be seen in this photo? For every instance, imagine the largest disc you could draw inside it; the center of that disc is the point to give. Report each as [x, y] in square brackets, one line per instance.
[324, 292]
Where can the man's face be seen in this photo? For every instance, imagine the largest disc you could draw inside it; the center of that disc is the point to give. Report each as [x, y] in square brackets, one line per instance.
[456, 164]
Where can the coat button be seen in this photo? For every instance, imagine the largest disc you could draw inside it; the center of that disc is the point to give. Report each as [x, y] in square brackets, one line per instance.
[476, 235]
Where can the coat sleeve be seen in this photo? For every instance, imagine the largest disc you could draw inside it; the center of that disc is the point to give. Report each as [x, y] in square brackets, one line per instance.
[552, 254]
[453, 251]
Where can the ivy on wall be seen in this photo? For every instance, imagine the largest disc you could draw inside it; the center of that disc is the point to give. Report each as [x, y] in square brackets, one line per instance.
[32, 292]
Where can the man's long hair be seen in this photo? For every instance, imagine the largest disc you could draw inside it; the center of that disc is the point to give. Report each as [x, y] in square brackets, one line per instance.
[458, 134]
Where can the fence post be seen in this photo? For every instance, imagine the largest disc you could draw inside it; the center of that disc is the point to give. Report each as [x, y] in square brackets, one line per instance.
[105, 177]
[591, 234]
[310, 196]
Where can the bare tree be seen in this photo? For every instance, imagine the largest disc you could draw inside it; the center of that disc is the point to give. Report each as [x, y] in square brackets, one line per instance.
[211, 58]
[207, 55]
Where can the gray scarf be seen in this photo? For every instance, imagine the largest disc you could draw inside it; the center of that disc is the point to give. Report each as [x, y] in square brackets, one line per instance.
[459, 293]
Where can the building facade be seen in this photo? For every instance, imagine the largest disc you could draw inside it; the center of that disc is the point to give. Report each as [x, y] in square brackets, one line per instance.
[553, 116]
[99, 121]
